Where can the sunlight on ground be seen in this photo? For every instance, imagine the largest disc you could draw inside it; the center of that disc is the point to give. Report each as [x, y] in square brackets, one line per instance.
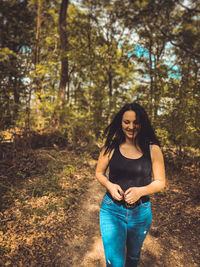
[152, 245]
[95, 257]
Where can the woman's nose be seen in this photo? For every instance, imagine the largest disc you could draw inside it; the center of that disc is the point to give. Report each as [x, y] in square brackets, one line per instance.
[131, 126]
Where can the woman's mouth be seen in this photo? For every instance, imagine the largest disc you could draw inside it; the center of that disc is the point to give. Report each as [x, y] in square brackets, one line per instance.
[132, 131]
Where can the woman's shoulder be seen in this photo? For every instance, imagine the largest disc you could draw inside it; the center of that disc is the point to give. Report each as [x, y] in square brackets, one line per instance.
[154, 147]
[107, 153]
[156, 151]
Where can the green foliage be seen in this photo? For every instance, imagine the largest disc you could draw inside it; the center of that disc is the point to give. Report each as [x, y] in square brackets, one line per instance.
[68, 203]
[46, 186]
[68, 170]
[16, 24]
[55, 138]
[34, 211]
[4, 250]
[117, 52]
[163, 137]
[74, 194]
[52, 207]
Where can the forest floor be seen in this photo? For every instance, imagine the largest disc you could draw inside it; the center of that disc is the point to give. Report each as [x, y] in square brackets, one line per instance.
[50, 206]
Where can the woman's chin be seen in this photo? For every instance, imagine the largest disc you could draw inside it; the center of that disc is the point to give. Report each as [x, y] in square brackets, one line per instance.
[130, 136]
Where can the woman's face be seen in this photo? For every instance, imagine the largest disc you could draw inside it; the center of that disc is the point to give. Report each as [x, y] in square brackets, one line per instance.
[130, 126]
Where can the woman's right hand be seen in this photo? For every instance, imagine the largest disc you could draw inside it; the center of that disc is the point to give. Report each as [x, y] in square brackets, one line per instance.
[116, 191]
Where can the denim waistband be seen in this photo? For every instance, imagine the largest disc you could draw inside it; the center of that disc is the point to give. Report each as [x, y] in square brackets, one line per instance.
[125, 204]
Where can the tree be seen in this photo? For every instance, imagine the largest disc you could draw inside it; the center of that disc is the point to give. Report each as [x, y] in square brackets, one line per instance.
[64, 75]
[16, 25]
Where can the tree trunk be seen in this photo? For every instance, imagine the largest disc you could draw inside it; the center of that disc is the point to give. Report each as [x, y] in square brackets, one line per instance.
[110, 93]
[151, 79]
[64, 76]
[38, 31]
[37, 82]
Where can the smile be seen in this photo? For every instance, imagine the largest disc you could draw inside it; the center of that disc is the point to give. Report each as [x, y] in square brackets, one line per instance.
[132, 131]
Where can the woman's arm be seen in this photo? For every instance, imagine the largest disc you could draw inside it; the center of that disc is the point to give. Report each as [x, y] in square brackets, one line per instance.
[158, 183]
[102, 165]
[158, 168]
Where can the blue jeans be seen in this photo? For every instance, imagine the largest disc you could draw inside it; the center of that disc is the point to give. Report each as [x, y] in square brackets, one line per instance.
[121, 229]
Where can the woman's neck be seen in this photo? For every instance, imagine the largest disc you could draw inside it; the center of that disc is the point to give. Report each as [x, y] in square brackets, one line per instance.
[130, 142]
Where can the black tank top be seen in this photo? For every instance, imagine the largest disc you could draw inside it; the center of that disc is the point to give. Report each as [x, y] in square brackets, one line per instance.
[128, 172]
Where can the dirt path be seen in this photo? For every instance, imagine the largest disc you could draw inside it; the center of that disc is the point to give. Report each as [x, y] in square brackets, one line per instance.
[86, 248]
[53, 220]
[165, 245]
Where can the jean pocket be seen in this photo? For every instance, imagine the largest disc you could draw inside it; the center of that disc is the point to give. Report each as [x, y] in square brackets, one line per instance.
[146, 204]
[107, 200]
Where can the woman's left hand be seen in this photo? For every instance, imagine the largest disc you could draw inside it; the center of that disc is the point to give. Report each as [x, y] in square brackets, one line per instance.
[132, 195]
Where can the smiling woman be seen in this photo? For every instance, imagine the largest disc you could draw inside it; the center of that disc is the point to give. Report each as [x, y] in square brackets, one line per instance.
[132, 153]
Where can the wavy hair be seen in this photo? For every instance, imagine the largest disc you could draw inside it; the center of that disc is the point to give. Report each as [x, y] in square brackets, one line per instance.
[115, 136]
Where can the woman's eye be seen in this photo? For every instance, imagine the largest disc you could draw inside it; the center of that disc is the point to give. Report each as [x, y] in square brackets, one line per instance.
[126, 122]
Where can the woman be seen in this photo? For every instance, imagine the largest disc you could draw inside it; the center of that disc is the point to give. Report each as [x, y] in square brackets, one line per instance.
[132, 153]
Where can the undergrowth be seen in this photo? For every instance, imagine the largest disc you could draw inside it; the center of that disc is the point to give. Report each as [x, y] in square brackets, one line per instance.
[39, 188]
